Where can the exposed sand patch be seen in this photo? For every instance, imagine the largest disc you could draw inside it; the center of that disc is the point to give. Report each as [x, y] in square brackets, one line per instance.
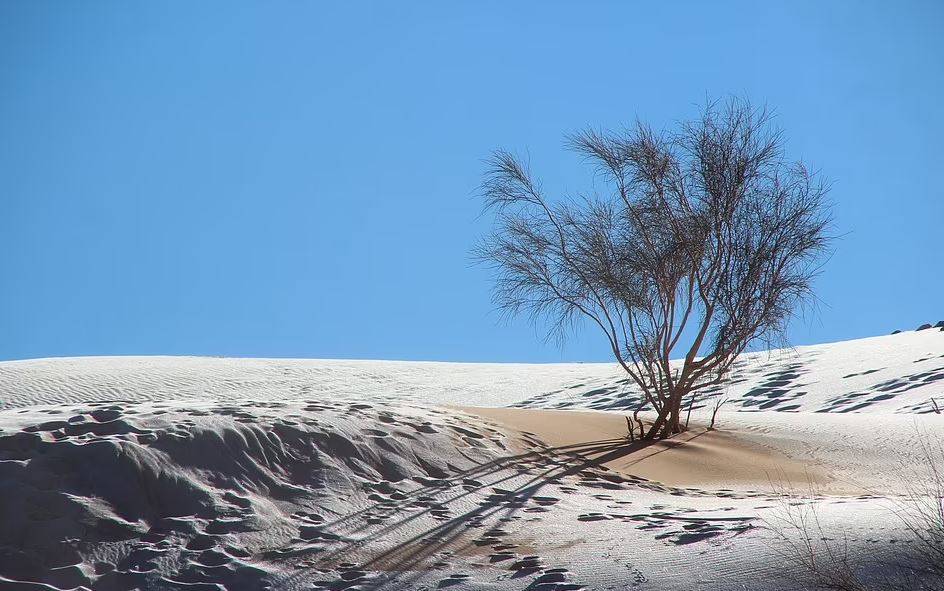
[699, 458]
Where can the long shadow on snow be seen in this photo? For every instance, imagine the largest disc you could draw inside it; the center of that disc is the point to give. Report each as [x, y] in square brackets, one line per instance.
[553, 464]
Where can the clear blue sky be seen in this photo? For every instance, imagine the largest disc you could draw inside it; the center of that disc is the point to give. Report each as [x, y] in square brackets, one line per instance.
[298, 178]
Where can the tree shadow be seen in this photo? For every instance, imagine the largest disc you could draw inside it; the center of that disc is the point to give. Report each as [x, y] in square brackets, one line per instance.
[882, 391]
[540, 468]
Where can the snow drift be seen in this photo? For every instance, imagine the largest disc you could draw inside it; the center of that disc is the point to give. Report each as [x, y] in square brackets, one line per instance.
[205, 473]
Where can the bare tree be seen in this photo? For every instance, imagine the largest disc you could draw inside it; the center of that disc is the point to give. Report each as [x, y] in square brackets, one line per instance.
[705, 241]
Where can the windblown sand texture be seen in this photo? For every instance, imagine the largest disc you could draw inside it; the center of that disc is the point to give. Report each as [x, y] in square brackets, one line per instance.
[207, 474]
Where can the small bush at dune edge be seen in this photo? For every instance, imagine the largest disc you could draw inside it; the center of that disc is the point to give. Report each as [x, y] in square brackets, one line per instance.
[817, 561]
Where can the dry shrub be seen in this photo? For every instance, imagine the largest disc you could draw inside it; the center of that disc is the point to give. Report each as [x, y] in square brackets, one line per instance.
[815, 560]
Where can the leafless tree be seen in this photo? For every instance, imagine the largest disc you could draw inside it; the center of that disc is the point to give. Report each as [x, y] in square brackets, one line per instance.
[705, 241]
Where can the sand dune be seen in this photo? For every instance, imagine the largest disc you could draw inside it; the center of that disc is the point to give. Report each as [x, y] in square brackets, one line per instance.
[198, 484]
[165, 473]
[837, 455]
[889, 374]
[698, 458]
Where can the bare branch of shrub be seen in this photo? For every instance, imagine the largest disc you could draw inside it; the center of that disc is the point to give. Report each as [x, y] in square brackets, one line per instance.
[705, 241]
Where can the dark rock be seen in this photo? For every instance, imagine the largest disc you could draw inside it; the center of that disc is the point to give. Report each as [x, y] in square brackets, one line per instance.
[940, 324]
[896, 331]
[924, 327]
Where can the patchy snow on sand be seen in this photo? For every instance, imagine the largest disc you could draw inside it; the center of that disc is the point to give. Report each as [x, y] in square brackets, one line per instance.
[209, 473]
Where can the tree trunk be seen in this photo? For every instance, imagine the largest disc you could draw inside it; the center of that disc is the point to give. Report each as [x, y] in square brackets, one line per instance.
[669, 420]
[677, 417]
[673, 420]
[656, 427]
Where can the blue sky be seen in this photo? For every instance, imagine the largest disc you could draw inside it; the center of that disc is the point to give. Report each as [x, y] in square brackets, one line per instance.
[298, 179]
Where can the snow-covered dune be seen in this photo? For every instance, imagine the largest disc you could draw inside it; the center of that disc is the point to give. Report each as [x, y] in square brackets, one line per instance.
[210, 473]
[895, 373]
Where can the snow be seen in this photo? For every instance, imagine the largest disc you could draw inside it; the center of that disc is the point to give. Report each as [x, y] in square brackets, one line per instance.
[172, 472]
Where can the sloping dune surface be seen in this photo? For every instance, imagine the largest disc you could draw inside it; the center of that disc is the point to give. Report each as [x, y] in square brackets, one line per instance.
[897, 373]
[697, 458]
[117, 498]
[206, 473]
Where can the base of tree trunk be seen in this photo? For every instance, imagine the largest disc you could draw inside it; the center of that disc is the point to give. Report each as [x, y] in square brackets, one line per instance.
[665, 425]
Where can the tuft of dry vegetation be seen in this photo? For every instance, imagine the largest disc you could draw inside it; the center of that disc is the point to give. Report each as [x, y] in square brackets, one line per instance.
[817, 560]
